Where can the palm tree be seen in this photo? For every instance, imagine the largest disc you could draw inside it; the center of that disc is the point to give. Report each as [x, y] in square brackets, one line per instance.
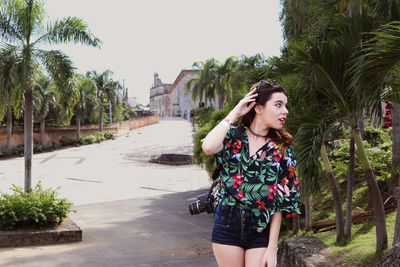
[222, 79]
[205, 85]
[296, 18]
[8, 90]
[106, 91]
[377, 60]
[21, 26]
[86, 90]
[44, 99]
[325, 62]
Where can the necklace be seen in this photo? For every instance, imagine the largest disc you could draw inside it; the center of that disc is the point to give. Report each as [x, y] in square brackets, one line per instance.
[258, 135]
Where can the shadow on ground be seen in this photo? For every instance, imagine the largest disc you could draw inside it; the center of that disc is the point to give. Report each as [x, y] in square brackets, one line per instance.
[156, 231]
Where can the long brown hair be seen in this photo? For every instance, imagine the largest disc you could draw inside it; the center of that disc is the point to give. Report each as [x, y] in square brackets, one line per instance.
[265, 91]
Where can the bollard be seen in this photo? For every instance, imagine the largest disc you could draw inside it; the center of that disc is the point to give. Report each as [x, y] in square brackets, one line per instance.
[54, 144]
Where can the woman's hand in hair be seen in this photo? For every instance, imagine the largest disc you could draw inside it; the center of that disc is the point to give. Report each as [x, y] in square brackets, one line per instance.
[246, 104]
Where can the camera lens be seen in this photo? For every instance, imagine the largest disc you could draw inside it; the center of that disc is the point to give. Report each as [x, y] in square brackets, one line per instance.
[199, 206]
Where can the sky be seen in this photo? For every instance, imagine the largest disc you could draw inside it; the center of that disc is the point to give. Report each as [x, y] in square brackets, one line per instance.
[141, 37]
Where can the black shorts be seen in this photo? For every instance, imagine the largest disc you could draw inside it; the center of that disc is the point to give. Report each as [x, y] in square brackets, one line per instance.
[235, 226]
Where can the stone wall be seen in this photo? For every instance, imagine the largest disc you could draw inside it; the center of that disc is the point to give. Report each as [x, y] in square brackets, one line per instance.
[55, 133]
[303, 251]
[391, 258]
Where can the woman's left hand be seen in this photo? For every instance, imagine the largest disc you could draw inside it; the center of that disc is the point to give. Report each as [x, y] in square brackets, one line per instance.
[269, 258]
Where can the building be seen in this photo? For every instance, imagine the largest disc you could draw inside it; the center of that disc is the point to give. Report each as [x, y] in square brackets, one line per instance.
[169, 100]
[160, 102]
[181, 100]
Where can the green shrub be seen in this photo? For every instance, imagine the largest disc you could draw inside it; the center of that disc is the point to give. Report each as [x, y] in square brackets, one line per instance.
[108, 135]
[90, 139]
[40, 148]
[17, 150]
[374, 136]
[4, 152]
[202, 115]
[40, 207]
[66, 141]
[102, 136]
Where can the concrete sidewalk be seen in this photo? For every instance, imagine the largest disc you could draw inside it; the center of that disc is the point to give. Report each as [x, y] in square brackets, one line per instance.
[132, 212]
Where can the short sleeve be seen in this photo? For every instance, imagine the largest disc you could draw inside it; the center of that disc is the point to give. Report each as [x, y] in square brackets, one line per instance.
[223, 156]
[288, 189]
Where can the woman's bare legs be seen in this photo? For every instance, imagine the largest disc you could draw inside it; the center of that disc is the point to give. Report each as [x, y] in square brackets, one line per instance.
[228, 256]
[253, 257]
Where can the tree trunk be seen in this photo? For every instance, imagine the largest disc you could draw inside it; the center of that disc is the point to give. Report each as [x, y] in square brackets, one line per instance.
[221, 100]
[42, 130]
[101, 116]
[296, 224]
[350, 185]
[336, 195]
[28, 138]
[308, 212]
[9, 130]
[361, 126]
[396, 237]
[375, 195]
[395, 179]
[109, 110]
[78, 121]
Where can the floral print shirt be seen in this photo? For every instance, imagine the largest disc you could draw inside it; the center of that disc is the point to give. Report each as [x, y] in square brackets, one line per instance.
[265, 182]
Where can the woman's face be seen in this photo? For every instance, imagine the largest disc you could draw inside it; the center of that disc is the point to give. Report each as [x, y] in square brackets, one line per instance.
[274, 112]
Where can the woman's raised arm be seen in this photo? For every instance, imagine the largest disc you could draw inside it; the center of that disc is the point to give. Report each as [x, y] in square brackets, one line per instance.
[213, 142]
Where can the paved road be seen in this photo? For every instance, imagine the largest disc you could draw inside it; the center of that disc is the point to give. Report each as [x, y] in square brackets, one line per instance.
[132, 212]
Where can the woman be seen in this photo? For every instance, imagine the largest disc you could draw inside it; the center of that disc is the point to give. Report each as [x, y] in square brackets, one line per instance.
[258, 176]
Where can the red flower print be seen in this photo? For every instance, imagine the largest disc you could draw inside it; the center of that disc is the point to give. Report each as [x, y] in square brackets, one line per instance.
[270, 196]
[240, 194]
[238, 144]
[278, 153]
[291, 215]
[226, 142]
[235, 151]
[272, 189]
[238, 178]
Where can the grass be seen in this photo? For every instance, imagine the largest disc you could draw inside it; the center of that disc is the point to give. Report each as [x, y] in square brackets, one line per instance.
[360, 249]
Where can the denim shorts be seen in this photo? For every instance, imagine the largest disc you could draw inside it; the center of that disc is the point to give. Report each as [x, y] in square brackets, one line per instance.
[235, 226]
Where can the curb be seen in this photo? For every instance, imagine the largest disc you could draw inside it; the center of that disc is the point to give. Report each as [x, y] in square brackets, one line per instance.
[66, 232]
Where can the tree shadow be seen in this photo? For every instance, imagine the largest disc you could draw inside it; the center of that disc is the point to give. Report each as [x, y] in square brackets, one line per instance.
[156, 231]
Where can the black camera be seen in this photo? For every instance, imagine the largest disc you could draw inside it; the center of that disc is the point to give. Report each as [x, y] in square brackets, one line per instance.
[202, 204]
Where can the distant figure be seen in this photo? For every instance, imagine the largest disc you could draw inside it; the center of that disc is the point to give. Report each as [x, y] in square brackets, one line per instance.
[258, 178]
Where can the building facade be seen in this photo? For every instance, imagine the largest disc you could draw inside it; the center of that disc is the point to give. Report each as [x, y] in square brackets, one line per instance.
[181, 99]
[160, 103]
[172, 100]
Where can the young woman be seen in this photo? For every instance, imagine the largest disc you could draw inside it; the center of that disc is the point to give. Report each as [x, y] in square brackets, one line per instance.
[258, 176]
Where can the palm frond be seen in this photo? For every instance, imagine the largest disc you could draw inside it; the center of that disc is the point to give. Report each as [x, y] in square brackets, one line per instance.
[376, 60]
[9, 20]
[61, 71]
[71, 29]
